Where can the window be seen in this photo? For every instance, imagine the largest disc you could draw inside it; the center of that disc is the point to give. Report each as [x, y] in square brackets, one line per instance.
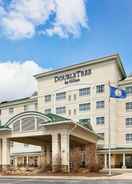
[100, 88]
[47, 98]
[69, 97]
[75, 112]
[99, 120]
[101, 134]
[75, 96]
[25, 107]
[129, 138]
[60, 110]
[129, 106]
[129, 90]
[84, 92]
[11, 110]
[84, 107]
[36, 106]
[60, 96]
[47, 111]
[99, 104]
[128, 121]
[69, 112]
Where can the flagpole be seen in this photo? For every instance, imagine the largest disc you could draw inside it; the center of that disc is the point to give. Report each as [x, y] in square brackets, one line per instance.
[109, 134]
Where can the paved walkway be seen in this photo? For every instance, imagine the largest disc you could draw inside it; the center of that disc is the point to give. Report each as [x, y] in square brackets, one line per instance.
[124, 176]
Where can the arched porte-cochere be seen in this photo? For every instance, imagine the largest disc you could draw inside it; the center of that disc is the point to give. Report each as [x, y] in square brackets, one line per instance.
[52, 132]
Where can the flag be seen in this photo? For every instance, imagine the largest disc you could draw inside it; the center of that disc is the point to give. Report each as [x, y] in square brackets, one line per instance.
[117, 92]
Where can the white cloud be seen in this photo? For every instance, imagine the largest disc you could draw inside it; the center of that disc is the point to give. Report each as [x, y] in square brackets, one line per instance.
[16, 79]
[70, 17]
[22, 18]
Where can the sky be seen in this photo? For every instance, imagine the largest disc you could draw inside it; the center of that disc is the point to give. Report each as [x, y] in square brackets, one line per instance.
[39, 35]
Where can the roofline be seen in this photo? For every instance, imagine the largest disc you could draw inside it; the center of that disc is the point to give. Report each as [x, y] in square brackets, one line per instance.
[72, 122]
[27, 113]
[85, 63]
[18, 101]
[126, 81]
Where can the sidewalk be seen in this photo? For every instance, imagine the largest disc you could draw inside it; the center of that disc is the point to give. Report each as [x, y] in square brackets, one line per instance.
[125, 176]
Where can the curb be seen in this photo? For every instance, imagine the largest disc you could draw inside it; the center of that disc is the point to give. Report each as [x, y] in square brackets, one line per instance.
[66, 178]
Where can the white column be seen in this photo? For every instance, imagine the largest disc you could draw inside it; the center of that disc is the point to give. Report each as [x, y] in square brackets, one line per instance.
[5, 153]
[42, 157]
[15, 160]
[48, 156]
[27, 161]
[124, 161]
[55, 152]
[65, 152]
[105, 161]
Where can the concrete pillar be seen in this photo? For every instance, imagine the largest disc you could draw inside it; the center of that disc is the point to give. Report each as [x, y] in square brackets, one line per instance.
[43, 157]
[105, 161]
[65, 152]
[56, 165]
[5, 153]
[48, 155]
[15, 162]
[27, 161]
[124, 161]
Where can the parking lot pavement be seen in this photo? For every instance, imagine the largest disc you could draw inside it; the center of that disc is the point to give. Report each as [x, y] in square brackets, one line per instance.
[43, 181]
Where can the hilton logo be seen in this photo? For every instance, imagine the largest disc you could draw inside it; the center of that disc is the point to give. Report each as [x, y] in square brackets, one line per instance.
[72, 77]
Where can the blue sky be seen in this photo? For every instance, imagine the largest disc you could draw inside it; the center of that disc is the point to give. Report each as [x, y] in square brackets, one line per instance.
[110, 30]
[52, 35]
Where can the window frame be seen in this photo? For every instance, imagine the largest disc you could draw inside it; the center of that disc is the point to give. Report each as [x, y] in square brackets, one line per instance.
[82, 107]
[128, 106]
[129, 92]
[100, 104]
[98, 120]
[11, 111]
[128, 122]
[47, 98]
[60, 108]
[128, 136]
[60, 96]
[48, 111]
[100, 88]
[85, 91]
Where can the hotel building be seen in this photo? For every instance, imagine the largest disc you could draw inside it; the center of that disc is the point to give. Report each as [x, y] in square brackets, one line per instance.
[78, 93]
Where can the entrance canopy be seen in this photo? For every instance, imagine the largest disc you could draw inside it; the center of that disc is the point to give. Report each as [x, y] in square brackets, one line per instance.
[32, 123]
[44, 130]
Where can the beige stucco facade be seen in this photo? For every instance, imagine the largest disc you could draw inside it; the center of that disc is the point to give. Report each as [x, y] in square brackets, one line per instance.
[59, 92]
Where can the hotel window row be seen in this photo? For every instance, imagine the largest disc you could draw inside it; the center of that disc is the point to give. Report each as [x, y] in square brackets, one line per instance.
[82, 108]
[25, 108]
[82, 92]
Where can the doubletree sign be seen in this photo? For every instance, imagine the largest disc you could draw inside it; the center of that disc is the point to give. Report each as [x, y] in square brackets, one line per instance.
[72, 77]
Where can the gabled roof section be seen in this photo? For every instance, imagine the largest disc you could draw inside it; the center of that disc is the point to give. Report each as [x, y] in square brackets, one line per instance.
[86, 63]
[86, 123]
[18, 101]
[56, 118]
